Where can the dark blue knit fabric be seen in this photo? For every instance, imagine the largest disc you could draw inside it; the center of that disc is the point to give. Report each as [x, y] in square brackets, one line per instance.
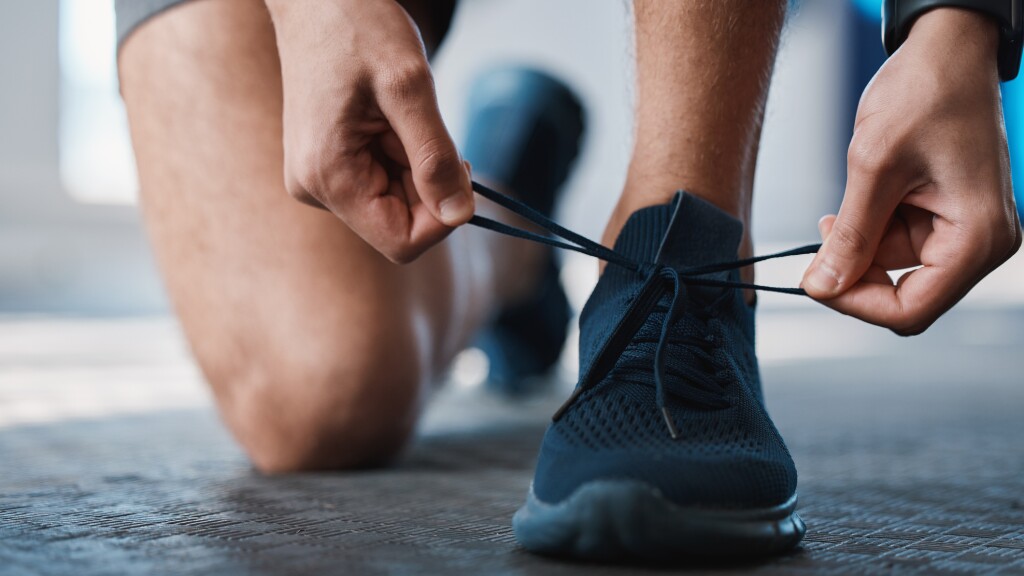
[727, 453]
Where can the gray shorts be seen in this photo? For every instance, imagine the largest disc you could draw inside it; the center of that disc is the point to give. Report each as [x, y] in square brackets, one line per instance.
[131, 13]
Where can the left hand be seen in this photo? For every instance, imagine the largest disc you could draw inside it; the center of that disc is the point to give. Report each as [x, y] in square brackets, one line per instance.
[928, 181]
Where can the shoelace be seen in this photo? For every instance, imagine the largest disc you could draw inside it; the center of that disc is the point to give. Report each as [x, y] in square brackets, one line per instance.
[693, 353]
[674, 279]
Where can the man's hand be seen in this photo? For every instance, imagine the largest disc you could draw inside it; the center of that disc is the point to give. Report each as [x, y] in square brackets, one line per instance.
[363, 136]
[928, 183]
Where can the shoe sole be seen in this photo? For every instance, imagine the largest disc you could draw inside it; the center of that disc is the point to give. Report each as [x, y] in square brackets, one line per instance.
[626, 519]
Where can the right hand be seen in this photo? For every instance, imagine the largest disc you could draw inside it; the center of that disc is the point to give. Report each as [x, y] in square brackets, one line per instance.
[928, 183]
[363, 135]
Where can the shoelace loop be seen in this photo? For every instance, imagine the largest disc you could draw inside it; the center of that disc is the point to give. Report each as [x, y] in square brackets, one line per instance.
[674, 279]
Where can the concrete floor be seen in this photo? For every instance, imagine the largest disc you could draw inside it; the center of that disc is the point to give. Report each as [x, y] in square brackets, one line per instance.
[113, 461]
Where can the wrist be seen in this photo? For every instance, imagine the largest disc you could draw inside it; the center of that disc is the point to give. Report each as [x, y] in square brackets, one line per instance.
[959, 34]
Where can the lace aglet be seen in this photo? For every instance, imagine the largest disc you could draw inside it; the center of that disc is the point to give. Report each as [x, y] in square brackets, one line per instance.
[669, 423]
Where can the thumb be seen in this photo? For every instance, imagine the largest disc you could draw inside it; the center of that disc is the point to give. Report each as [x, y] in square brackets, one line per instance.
[440, 178]
[850, 240]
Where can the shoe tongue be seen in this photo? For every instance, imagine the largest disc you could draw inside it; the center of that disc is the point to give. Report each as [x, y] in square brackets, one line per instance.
[687, 232]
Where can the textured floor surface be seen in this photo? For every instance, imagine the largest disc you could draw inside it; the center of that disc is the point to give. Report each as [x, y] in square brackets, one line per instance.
[910, 453]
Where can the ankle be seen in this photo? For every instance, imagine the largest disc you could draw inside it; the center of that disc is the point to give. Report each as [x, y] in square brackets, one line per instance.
[734, 198]
[644, 192]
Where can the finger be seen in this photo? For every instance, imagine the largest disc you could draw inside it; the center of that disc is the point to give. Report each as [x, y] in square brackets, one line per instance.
[393, 149]
[921, 295]
[394, 221]
[307, 199]
[298, 192]
[825, 225]
[439, 178]
[383, 206]
[904, 241]
[900, 247]
[424, 230]
[902, 244]
[897, 250]
[851, 245]
[387, 222]
[875, 273]
[911, 305]
[894, 250]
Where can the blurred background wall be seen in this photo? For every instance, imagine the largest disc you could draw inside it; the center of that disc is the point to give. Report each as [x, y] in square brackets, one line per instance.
[70, 237]
[59, 253]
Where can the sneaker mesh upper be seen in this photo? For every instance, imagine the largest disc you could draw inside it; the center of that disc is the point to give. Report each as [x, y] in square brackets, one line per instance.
[727, 457]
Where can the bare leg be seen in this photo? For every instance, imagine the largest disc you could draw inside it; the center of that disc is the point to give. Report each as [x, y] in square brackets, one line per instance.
[703, 70]
[319, 351]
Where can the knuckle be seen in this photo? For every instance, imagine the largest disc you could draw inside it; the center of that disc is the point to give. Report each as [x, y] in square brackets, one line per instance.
[998, 235]
[300, 192]
[294, 189]
[847, 240]
[437, 160]
[909, 330]
[301, 196]
[410, 77]
[309, 178]
[1010, 240]
[403, 254]
[1005, 245]
[869, 155]
[304, 169]
[910, 324]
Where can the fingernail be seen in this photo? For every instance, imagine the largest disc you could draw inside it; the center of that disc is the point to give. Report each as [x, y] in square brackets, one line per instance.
[822, 279]
[455, 210]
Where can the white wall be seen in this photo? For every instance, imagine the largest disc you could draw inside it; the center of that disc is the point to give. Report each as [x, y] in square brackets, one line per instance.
[56, 255]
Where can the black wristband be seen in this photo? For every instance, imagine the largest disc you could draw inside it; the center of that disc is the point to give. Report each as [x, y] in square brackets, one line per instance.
[899, 15]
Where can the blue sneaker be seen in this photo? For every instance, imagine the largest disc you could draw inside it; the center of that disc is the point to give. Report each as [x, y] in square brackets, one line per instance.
[665, 448]
[525, 130]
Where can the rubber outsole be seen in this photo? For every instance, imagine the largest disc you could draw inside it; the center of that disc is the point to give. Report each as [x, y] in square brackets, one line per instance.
[617, 520]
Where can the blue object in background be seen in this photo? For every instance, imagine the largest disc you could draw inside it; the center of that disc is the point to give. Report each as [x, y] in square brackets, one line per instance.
[867, 55]
[870, 9]
[1013, 110]
[864, 55]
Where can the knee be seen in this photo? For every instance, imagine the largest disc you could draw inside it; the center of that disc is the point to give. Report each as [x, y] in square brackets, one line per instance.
[334, 407]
